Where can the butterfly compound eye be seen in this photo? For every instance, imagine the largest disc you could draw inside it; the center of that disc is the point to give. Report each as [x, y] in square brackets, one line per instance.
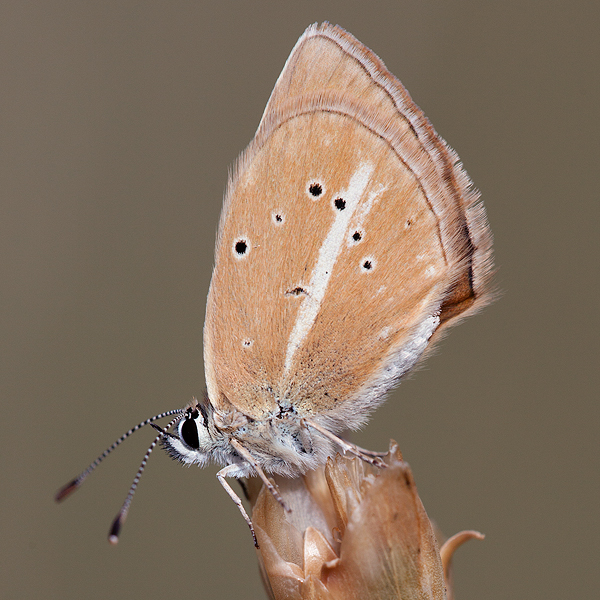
[189, 433]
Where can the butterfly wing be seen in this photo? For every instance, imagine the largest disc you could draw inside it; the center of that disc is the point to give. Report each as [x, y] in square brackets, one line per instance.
[349, 236]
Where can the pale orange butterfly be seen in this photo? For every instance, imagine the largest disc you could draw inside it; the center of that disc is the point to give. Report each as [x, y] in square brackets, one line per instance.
[349, 238]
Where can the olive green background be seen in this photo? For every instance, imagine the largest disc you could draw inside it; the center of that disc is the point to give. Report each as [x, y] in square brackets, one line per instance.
[119, 121]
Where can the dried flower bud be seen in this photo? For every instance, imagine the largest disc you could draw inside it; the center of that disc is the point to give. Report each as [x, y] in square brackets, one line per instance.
[355, 532]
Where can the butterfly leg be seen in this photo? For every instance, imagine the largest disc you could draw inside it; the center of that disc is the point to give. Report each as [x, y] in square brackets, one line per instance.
[268, 483]
[371, 452]
[229, 471]
[373, 458]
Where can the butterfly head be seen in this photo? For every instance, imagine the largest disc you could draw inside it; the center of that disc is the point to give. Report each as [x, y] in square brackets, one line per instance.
[193, 442]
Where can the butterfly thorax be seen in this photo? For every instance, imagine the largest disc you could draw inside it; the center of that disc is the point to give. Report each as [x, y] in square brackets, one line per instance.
[280, 443]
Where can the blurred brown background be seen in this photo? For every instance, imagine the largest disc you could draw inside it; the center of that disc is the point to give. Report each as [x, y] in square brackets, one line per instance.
[119, 121]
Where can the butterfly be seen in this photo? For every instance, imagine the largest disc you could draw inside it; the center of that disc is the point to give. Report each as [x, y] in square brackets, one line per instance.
[350, 237]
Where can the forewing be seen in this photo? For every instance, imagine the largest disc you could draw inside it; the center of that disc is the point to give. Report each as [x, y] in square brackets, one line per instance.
[347, 237]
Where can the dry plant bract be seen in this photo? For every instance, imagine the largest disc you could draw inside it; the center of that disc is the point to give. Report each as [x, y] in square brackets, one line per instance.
[354, 532]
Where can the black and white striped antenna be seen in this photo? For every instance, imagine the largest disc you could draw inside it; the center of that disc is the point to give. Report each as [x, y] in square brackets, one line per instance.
[69, 488]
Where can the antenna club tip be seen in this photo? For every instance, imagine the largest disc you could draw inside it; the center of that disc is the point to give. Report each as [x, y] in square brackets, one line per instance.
[66, 490]
[113, 534]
